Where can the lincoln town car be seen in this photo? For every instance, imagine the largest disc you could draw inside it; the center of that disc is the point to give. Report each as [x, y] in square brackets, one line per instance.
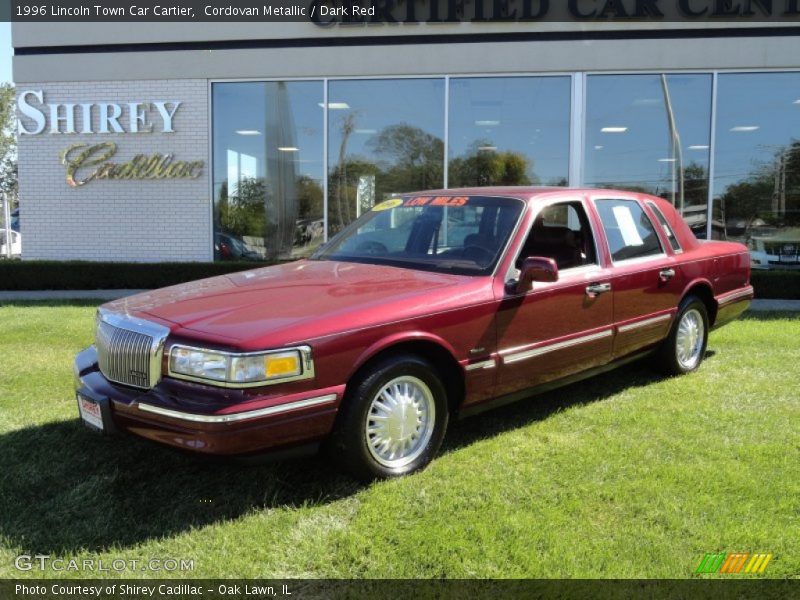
[430, 306]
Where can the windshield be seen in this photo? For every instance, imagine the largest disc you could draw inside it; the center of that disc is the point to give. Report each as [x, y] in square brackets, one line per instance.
[455, 234]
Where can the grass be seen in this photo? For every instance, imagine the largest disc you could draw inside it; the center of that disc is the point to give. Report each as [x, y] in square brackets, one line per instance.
[624, 475]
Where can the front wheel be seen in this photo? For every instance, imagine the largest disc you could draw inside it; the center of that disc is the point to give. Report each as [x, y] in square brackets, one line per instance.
[393, 420]
[685, 347]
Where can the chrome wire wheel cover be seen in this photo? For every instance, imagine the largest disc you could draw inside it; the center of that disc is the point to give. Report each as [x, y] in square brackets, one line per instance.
[689, 339]
[400, 421]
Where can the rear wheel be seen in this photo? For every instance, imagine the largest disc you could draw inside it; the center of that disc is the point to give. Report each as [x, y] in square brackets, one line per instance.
[685, 347]
[393, 419]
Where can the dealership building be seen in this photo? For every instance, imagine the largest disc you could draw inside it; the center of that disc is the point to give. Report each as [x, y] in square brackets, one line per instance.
[232, 140]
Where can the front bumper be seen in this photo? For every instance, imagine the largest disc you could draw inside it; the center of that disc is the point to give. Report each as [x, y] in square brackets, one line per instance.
[177, 418]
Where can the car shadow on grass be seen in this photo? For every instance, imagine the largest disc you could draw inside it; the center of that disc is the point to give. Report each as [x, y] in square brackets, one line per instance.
[539, 407]
[65, 489]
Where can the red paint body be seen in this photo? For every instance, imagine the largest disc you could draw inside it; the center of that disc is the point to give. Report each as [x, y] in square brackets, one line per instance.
[349, 312]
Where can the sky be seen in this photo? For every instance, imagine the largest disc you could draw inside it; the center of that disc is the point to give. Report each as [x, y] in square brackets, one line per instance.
[5, 52]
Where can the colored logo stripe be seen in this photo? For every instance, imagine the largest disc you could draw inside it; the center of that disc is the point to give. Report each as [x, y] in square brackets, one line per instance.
[733, 562]
[710, 563]
[758, 563]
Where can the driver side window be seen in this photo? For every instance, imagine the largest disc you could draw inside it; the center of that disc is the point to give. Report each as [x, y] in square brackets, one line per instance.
[562, 232]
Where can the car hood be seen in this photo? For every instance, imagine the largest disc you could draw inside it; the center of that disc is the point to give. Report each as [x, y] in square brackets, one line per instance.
[298, 301]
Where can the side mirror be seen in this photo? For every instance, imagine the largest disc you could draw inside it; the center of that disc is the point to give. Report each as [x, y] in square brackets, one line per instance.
[536, 268]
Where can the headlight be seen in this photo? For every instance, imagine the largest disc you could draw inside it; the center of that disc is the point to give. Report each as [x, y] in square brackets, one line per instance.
[241, 369]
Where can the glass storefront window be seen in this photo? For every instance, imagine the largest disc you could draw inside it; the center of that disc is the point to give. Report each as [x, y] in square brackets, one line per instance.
[757, 164]
[648, 132]
[651, 133]
[268, 169]
[385, 137]
[509, 131]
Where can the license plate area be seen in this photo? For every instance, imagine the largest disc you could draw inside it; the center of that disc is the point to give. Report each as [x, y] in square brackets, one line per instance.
[90, 412]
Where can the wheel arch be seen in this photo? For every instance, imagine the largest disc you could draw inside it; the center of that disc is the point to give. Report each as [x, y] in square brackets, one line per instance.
[432, 348]
[703, 290]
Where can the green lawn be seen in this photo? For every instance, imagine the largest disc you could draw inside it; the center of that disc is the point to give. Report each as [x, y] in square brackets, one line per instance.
[624, 475]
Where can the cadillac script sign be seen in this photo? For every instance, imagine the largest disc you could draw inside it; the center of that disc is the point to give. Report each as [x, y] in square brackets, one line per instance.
[85, 162]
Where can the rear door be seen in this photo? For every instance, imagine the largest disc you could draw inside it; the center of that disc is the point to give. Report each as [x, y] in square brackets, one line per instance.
[646, 278]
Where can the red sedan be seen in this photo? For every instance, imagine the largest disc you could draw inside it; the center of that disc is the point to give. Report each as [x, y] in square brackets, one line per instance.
[429, 306]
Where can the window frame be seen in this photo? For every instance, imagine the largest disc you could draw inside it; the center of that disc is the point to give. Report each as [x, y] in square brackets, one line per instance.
[667, 229]
[537, 208]
[633, 260]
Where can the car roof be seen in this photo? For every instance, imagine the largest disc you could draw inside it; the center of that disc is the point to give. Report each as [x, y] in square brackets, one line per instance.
[528, 192]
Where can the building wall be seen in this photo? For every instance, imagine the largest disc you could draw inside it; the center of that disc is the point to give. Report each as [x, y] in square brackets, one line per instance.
[139, 220]
[417, 59]
[171, 219]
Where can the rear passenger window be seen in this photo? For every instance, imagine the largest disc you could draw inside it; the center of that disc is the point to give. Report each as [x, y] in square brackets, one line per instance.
[629, 231]
[673, 241]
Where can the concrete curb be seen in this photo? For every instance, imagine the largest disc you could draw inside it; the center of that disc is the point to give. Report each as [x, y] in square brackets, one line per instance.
[761, 304]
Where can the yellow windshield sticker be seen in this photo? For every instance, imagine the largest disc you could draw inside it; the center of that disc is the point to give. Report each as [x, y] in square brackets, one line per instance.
[387, 204]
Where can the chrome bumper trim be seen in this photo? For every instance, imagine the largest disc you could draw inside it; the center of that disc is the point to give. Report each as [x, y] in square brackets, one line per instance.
[644, 323]
[242, 416]
[512, 356]
[737, 295]
[484, 364]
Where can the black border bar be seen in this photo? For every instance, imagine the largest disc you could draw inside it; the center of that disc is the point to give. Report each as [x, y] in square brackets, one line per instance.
[416, 39]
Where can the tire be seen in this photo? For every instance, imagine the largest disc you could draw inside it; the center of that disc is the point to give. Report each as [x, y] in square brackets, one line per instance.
[392, 420]
[684, 349]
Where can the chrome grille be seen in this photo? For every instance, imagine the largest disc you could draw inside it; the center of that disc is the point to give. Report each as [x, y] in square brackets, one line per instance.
[129, 350]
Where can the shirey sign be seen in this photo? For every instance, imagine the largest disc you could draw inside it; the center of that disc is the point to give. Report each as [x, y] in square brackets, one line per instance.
[90, 162]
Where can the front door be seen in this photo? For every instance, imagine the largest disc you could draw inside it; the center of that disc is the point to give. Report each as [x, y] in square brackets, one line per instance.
[559, 328]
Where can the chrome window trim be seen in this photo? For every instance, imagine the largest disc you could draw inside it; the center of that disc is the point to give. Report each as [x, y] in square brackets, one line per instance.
[512, 355]
[158, 334]
[484, 364]
[305, 354]
[662, 220]
[241, 416]
[643, 323]
[639, 259]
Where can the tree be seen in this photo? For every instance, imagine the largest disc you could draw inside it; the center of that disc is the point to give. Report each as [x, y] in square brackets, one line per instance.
[242, 213]
[309, 197]
[8, 142]
[489, 167]
[411, 159]
[754, 195]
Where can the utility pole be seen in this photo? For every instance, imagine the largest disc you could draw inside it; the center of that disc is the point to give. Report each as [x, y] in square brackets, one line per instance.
[779, 193]
[676, 152]
[7, 223]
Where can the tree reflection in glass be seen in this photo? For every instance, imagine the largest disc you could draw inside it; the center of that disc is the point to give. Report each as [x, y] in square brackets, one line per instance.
[385, 138]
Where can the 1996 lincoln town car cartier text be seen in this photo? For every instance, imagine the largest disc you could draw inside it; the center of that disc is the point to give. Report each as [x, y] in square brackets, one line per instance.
[430, 305]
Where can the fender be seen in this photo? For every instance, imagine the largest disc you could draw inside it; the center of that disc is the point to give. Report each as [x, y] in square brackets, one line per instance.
[399, 338]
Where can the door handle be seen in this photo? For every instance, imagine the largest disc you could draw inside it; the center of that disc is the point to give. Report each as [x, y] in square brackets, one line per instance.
[595, 289]
[665, 275]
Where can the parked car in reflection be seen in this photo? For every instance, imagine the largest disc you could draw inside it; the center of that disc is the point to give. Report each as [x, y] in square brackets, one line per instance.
[776, 249]
[229, 247]
[308, 230]
[16, 244]
[376, 342]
